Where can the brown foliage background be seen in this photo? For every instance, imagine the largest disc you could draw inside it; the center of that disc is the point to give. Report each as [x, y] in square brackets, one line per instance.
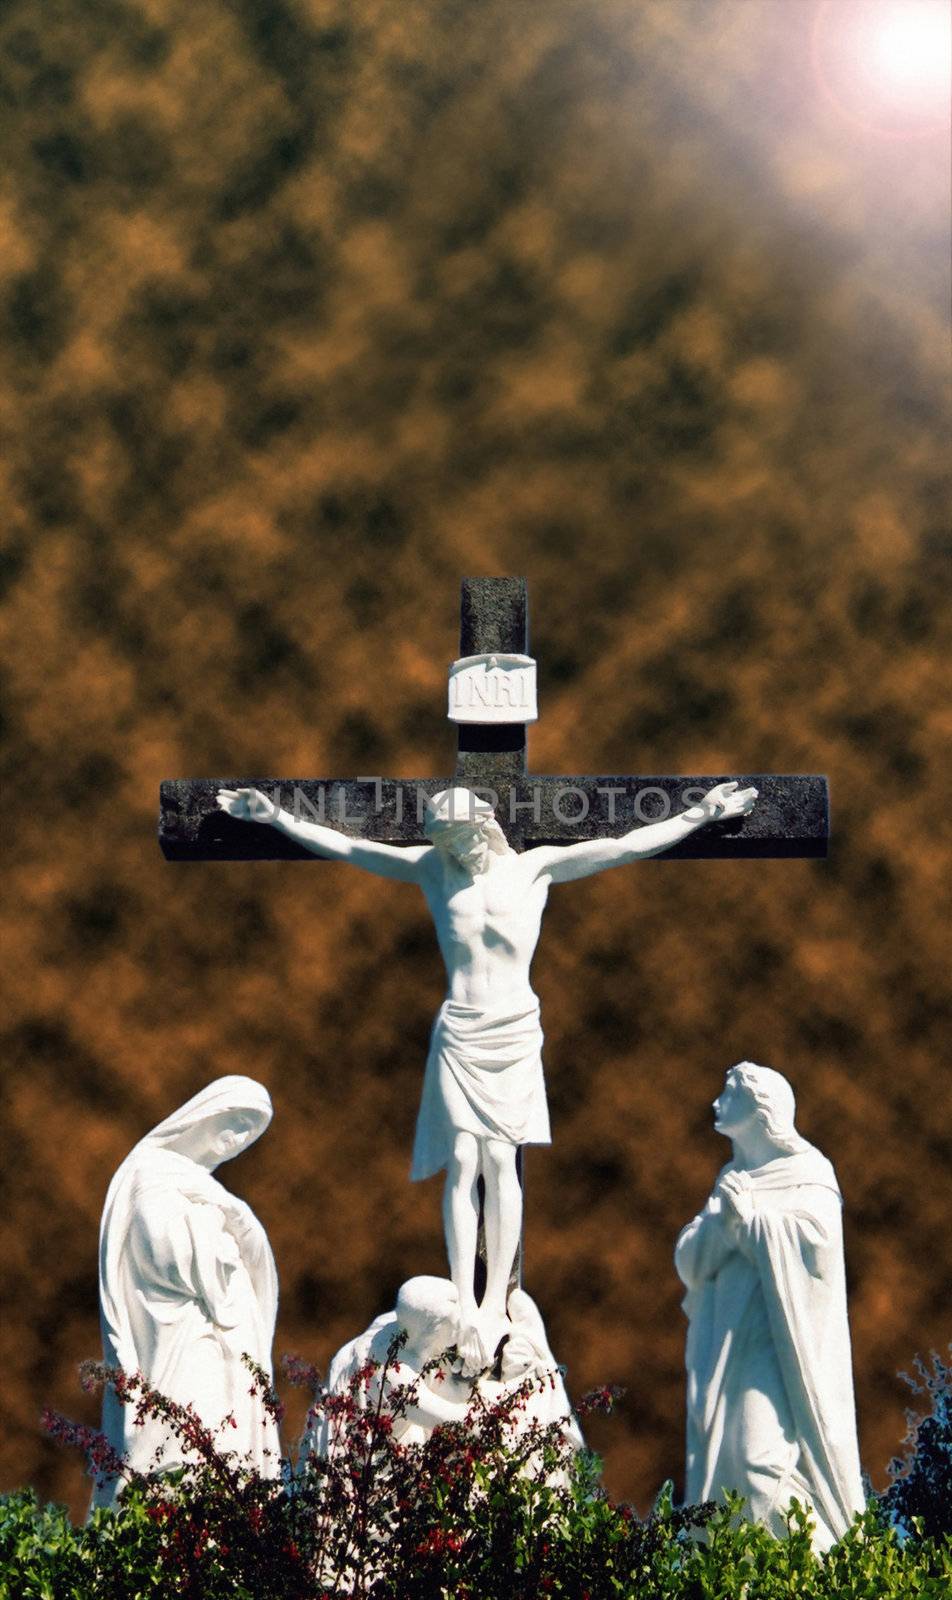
[312, 306]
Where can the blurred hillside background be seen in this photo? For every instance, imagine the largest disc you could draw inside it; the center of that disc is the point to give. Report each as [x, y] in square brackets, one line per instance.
[312, 307]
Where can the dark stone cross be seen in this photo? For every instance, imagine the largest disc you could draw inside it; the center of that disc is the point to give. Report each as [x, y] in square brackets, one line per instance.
[789, 819]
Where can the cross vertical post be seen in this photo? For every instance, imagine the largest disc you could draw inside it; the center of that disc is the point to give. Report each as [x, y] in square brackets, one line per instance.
[494, 618]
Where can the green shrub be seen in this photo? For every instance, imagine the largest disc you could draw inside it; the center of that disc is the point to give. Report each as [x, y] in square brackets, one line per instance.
[480, 1511]
[589, 1550]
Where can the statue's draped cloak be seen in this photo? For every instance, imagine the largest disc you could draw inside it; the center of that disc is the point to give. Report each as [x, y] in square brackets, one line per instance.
[483, 1076]
[187, 1286]
[770, 1387]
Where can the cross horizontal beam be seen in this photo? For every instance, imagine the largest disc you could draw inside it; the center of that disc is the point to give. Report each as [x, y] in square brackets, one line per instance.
[791, 817]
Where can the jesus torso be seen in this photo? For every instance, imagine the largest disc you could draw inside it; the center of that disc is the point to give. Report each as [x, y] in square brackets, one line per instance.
[487, 925]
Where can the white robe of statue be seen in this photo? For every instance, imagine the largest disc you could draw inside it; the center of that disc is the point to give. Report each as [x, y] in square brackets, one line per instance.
[770, 1386]
[187, 1282]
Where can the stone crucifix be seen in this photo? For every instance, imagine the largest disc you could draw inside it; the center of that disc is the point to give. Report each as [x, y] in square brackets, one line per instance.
[484, 1095]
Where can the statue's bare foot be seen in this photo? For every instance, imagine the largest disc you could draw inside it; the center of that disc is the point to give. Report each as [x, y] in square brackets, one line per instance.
[471, 1350]
[478, 1341]
[495, 1327]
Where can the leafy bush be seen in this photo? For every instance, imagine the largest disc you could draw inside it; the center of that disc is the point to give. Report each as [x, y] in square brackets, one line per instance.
[921, 1493]
[483, 1509]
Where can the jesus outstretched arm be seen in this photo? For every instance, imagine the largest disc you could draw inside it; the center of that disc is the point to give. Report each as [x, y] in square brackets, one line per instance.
[386, 860]
[562, 863]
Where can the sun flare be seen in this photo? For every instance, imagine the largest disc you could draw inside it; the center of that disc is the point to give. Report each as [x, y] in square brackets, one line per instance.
[911, 44]
[887, 64]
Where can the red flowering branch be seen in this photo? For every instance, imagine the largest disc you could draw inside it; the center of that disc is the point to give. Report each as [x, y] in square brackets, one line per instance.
[104, 1461]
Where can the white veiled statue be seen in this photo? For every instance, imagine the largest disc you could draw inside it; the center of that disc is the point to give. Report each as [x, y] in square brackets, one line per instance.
[187, 1281]
[770, 1383]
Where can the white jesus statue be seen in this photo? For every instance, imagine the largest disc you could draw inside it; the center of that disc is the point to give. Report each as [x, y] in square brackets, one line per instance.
[483, 1090]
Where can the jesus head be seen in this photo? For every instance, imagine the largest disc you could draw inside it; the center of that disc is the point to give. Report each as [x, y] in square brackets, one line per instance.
[464, 826]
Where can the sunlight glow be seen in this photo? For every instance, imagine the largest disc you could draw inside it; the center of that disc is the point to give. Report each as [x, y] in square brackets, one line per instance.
[887, 64]
[911, 45]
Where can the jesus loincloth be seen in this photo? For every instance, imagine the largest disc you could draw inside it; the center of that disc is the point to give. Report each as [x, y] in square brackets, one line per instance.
[483, 1076]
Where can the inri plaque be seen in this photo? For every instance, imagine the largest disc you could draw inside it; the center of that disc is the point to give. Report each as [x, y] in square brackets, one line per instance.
[493, 688]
